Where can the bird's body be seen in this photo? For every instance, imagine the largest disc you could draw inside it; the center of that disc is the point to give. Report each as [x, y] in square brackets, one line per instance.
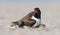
[33, 19]
[38, 22]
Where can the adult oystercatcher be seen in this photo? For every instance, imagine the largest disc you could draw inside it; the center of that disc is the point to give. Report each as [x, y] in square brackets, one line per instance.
[33, 19]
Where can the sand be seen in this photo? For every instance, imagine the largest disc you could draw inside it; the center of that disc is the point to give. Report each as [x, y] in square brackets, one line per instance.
[10, 12]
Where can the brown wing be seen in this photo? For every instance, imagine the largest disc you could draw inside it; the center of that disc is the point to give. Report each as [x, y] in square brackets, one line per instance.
[26, 20]
[29, 15]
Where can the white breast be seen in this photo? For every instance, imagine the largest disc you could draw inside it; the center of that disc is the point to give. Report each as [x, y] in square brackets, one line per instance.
[38, 21]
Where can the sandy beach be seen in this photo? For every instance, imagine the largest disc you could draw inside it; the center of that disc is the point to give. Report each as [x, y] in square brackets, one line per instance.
[10, 12]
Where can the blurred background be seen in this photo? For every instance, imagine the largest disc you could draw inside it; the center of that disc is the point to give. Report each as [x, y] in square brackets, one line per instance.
[13, 10]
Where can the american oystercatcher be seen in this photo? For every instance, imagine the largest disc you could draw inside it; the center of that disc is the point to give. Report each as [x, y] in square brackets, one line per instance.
[33, 19]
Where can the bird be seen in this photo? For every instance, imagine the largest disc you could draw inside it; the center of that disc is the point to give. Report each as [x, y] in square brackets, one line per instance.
[32, 19]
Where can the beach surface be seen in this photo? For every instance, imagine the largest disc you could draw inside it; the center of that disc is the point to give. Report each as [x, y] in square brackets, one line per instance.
[10, 12]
